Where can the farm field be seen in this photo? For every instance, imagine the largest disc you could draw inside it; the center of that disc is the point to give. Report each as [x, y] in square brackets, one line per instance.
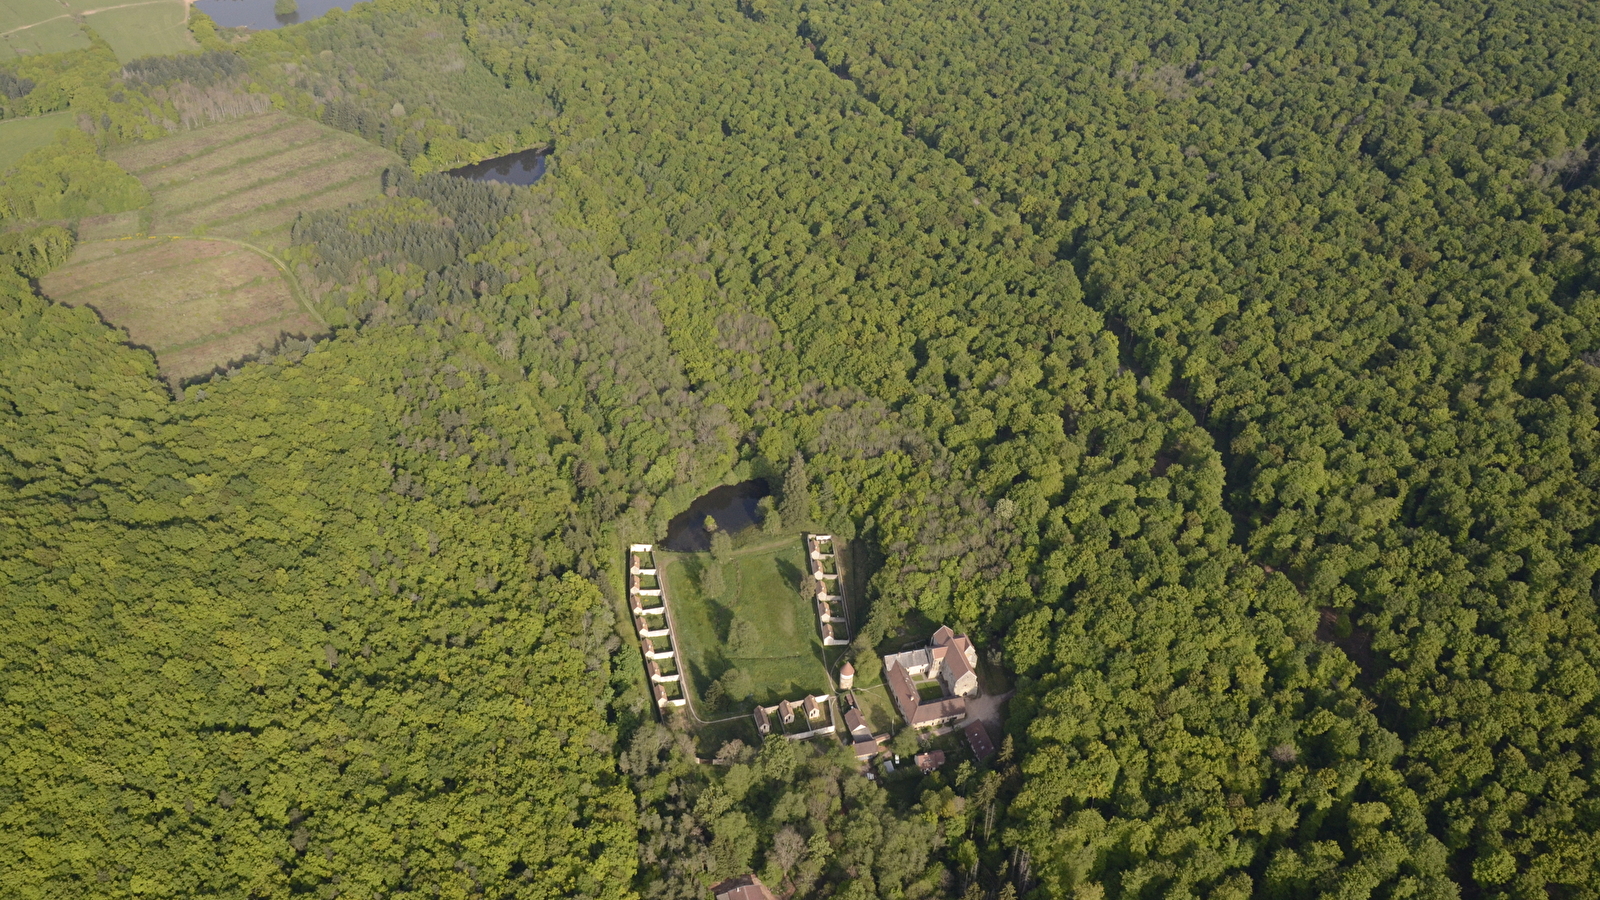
[763, 589]
[19, 136]
[46, 31]
[194, 277]
[195, 303]
[152, 28]
[15, 14]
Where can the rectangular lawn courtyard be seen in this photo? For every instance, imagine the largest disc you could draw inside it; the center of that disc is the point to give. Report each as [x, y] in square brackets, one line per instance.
[784, 657]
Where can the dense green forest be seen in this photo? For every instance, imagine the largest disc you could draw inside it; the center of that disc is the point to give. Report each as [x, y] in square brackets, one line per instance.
[1227, 370]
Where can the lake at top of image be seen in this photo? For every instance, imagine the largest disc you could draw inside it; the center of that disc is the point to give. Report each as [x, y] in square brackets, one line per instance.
[258, 16]
[733, 506]
[523, 167]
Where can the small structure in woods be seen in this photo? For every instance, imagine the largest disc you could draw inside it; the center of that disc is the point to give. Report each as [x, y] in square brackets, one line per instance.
[978, 738]
[745, 887]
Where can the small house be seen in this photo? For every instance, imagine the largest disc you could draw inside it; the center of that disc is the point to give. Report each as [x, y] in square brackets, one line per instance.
[868, 747]
[856, 725]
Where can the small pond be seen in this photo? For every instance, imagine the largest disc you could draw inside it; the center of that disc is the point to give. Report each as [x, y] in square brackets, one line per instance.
[733, 506]
[258, 15]
[523, 167]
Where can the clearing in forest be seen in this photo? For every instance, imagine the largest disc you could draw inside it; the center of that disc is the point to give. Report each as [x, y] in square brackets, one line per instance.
[196, 303]
[758, 625]
[19, 136]
[194, 277]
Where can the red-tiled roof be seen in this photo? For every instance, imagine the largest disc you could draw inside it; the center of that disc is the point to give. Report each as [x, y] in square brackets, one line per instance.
[956, 665]
[939, 710]
[905, 693]
[929, 761]
[854, 722]
[978, 738]
[868, 747]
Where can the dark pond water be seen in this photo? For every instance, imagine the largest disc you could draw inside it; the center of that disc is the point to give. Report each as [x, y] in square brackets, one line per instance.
[522, 167]
[732, 505]
[257, 14]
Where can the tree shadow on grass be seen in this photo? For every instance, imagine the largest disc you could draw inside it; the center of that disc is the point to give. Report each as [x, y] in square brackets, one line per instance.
[789, 572]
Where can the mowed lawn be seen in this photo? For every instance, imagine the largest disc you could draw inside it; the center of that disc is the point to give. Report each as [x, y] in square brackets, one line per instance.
[196, 303]
[247, 179]
[19, 136]
[762, 588]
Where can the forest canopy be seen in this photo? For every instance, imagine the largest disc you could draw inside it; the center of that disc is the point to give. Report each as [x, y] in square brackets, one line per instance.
[1228, 372]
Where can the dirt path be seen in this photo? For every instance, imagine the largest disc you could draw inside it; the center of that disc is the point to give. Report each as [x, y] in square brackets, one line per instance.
[986, 708]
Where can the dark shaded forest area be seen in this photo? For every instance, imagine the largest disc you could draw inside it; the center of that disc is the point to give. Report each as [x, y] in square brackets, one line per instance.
[1228, 371]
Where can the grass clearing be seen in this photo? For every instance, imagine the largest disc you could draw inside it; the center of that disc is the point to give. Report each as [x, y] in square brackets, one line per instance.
[195, 303]
[20, 136]
[54, 35]
[152, 28]
[200, 304]
[785, 660]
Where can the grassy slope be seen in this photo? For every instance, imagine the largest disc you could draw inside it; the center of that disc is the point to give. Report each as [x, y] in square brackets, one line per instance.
[156, 28]
[52, 36]
[16, 14]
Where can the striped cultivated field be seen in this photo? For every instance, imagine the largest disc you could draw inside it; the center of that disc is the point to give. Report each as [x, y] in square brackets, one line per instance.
[247, 179]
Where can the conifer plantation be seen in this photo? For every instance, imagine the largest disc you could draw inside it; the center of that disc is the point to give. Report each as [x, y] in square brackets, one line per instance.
[1226, 371]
